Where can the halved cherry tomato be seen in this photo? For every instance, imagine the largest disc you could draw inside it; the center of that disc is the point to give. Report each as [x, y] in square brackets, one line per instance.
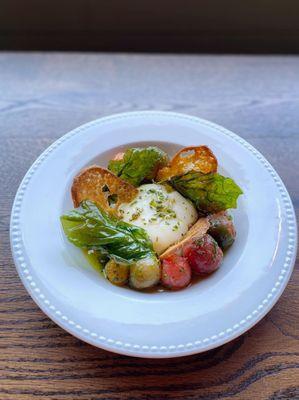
[176, 272]
[204, 255]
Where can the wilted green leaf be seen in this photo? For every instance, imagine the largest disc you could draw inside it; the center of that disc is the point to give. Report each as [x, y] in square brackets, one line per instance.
[139, 164]
[89, 227]
[209, 192]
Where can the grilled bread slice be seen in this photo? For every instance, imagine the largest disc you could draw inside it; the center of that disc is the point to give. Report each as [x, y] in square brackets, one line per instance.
[103, 187]
[193, 158]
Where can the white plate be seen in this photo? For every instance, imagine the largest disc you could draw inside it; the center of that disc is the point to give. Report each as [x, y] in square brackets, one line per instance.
[252, 277]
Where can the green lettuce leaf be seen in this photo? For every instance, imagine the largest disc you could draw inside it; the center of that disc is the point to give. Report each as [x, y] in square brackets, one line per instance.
[209, 192]
[89, 227]
[139, 164]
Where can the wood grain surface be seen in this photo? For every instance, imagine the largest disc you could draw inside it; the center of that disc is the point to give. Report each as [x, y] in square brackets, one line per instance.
[42, 96]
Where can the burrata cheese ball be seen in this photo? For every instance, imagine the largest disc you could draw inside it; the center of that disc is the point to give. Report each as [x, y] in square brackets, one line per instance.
[162, 212]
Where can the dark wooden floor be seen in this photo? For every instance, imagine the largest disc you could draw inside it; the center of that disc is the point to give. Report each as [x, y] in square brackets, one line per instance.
[42, 96]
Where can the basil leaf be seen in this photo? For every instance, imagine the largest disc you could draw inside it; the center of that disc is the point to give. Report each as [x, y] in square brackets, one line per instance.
[89, 227]
[139, 164]
[210, 193]
[97, 258]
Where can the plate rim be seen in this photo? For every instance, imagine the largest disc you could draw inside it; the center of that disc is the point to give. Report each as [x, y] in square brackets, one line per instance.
[145, 351]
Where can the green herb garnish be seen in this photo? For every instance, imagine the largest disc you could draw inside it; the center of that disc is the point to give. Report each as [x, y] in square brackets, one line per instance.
[139, 164]
[210, 193]
[89, 227]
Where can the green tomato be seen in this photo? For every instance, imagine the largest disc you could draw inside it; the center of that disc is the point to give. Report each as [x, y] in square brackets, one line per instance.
[222, 229]
[145, 273]
[116, 273]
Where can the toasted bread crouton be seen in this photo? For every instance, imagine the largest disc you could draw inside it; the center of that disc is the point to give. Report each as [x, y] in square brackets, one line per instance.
[193, 158]
[199, 229]
[119, 156]
[103, 187]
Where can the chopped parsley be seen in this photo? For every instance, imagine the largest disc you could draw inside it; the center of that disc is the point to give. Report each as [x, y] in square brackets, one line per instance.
[136, 214]
[157, 204]
[176, 226]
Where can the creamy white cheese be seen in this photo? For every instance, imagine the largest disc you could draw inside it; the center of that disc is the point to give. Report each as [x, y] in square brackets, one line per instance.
[164, 213]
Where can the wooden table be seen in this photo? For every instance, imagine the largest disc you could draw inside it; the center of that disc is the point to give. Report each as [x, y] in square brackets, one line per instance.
[42, 96]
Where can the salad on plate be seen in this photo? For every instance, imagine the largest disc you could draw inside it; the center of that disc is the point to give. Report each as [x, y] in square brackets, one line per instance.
[148, 221]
